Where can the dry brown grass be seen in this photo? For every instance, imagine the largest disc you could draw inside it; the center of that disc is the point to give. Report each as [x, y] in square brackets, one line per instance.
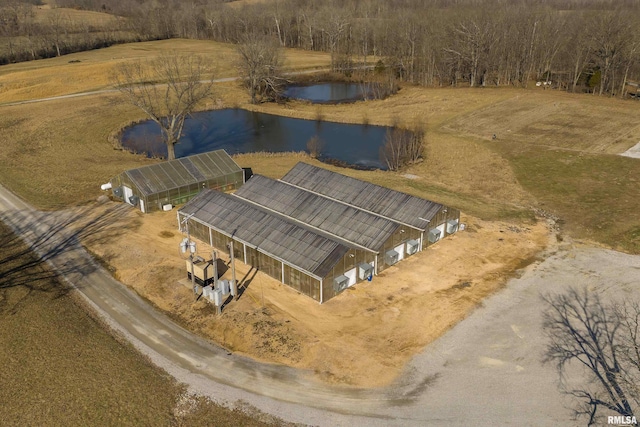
[59, 76]
[61, 366]
[44, 14]
[241, 3]
[56, 153]
[557, 120]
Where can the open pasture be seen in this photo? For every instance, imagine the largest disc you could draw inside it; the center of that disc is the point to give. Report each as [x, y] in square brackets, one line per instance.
[92, 70]
[554, 151]
[556, 120]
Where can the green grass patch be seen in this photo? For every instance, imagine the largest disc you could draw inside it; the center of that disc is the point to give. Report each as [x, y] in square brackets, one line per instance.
[472, 204]
[597, 197]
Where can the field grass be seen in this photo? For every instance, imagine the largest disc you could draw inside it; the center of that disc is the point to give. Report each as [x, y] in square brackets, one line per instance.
[60, 76]
[57, 153]
[595, 196]
[44, 14]
[61, 366]
[557, 120]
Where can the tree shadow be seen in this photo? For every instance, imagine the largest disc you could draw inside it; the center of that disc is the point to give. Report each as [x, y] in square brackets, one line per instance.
[29, 240]
[583, 331]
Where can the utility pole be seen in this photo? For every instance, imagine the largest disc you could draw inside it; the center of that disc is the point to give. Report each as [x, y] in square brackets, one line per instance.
[214, 261]
[193, 275]
[191, 247]
[234, 287]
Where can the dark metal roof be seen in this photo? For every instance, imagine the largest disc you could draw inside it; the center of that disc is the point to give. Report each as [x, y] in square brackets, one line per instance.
[397, 206]
[338, 219]
[182, 172]
[271, 234]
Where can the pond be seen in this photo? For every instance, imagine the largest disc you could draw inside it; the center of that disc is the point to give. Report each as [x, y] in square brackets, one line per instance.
[242, 131]
[329, 93]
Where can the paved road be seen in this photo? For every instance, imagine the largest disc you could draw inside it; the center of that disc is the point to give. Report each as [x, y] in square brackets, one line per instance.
[485, 371]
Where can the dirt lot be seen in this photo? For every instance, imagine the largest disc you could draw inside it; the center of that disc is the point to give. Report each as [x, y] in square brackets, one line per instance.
[363, 337]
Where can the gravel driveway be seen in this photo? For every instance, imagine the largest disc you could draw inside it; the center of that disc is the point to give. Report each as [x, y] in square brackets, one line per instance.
[485, 371]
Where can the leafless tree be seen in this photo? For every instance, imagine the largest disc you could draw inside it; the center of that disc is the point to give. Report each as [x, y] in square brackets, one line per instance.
[56, 29]
[585, 43]
[416, 142]
[315, 146]
[402, 146]
[334, 25]
[603, 340]
[259, 66]
[473, 42]
[168, 89]
[631, 59]
[610, 36]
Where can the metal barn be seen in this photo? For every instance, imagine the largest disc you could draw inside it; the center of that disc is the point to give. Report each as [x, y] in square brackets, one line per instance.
[375, 227]
[291, 253]
[431, 220]
[174, 182]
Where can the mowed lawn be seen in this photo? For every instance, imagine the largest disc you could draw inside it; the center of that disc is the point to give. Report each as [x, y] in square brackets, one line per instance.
[61, 366]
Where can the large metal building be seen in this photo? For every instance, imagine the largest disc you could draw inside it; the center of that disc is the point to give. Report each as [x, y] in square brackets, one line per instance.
[174, 182]
[291, 253]
[280, 227]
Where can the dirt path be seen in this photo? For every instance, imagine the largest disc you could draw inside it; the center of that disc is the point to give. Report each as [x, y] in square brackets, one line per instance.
[103, 91]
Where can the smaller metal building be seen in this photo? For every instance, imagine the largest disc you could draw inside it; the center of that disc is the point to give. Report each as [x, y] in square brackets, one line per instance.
[174, 182]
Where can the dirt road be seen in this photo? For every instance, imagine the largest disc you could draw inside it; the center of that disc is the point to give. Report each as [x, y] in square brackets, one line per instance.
[103, 91]
[485, 370]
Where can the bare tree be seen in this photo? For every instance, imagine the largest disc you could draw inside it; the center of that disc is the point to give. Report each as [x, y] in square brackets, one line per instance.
[603, 340]
[167, 89]
[315, 146]
[334, 26]
[259, 66]
[473, 43]
[56, 29]
[610, 34]
[416, 142]
[402, 147]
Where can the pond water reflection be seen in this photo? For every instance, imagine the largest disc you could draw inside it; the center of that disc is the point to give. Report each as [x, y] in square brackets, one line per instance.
[242, 131]
[328, 93]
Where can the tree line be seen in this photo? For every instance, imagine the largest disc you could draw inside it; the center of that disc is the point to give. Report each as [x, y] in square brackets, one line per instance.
[576, 45]
[27, 35]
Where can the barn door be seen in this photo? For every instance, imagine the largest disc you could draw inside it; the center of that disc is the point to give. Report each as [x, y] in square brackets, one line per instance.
[127, 194]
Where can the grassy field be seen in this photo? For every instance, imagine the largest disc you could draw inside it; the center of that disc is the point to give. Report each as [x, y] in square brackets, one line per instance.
[554, 151]
[61, 366]
[45, 13]
[63, 75]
